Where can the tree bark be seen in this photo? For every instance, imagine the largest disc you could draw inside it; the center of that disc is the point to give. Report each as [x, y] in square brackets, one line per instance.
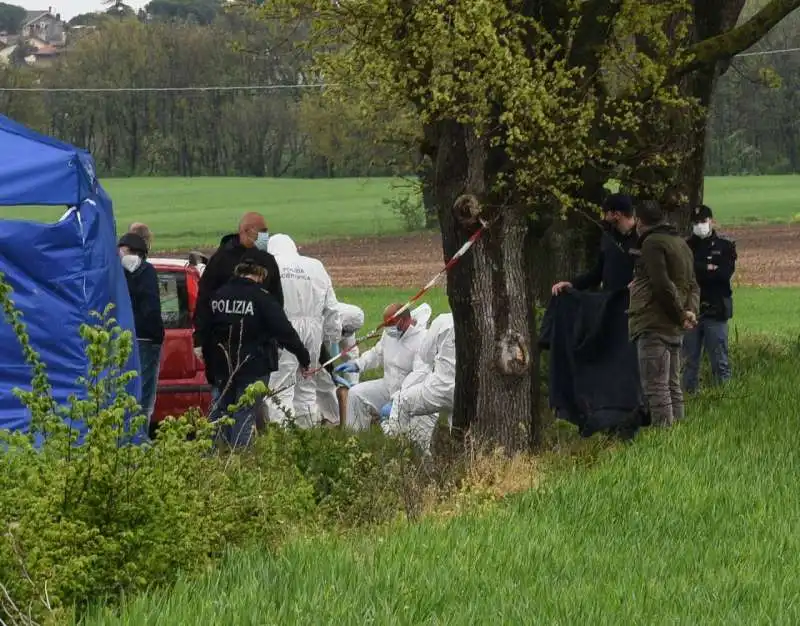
[490, 297]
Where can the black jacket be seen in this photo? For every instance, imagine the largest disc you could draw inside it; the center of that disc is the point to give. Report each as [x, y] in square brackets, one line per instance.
[219, 271]
[240, 328]
[716, 295]
[614, 266]
[593, 367]
[146, 301]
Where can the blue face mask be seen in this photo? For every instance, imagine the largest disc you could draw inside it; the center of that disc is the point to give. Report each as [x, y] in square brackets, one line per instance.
[261, 241]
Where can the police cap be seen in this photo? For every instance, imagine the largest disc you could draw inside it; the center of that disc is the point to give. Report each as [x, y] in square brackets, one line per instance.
[701, 214]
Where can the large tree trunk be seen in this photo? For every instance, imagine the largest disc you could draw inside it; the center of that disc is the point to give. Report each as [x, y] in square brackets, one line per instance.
[490, 295]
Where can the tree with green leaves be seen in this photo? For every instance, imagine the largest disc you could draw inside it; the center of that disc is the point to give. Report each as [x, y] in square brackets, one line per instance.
[11, 18]
[528, 108]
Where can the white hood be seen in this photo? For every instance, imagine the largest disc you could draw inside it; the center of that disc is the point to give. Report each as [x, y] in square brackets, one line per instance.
[282, 245]
[422, 315]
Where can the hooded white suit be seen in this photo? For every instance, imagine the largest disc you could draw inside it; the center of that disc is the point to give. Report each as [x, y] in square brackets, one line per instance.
[428, 389]
[396, 356]
[310, 304]
[352, 321]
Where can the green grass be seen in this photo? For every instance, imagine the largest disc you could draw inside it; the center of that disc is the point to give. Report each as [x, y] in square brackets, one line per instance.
[187, 212]
[193, 212]
[697, 525]
[738, 200]
[766, 311]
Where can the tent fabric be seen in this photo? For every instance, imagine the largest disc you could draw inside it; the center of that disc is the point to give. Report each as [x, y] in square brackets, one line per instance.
[60, 273]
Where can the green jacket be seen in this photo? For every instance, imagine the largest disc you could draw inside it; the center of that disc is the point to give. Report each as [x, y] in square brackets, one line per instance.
[664, 284]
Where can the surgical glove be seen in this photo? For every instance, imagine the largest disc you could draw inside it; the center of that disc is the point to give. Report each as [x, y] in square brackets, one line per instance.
[386, 411]
[198, 352]
[351, 367]
[341, 382]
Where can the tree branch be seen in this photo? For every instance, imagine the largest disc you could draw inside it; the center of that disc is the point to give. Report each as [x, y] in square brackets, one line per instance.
[730, 43]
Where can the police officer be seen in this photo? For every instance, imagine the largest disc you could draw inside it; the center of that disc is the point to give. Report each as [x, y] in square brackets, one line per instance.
[714, 265]
[613, 269]
[240, 327]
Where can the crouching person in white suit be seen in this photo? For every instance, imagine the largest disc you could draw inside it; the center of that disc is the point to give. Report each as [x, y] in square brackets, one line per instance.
[395, 352]
[310, 304]
[352, 321]
[429, 389]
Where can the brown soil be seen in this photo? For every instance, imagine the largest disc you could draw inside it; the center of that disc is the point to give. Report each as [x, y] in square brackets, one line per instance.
[768, 255]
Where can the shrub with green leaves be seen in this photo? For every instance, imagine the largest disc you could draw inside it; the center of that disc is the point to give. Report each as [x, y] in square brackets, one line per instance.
[90, 519]
[84, 519]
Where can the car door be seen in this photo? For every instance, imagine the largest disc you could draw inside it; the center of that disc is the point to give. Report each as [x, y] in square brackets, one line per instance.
[181, 380]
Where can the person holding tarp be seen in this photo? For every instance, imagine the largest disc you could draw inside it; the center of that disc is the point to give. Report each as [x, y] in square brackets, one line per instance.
[613, 266]
[594, 378]
[240, 328]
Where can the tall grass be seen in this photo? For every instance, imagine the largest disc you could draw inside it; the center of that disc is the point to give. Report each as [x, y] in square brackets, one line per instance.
[695, 525]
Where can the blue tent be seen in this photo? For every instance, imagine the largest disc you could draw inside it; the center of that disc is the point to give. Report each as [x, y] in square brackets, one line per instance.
[61, 272]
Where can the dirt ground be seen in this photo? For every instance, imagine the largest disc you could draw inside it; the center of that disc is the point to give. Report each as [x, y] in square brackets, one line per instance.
[768, 255]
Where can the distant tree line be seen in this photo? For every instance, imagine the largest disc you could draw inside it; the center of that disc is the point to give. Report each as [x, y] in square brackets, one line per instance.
[258, 132]
[278, 132]
[754, 126]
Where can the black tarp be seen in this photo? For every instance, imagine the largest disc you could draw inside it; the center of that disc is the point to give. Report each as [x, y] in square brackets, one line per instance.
[593, 369]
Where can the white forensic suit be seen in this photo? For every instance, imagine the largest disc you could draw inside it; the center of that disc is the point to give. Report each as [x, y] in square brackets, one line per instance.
[352, 321]
[396, 356]
[310, 304]
[429, 388]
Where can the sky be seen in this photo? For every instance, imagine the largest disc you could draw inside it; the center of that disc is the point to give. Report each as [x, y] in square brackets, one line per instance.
[70, 8]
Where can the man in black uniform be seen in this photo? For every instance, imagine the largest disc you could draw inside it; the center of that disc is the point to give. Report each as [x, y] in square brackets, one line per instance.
[253, 234]
[714, 265]
[614, 266]
[240, 327]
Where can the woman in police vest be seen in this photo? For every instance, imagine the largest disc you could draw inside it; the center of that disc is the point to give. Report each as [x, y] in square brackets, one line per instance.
[240, 327]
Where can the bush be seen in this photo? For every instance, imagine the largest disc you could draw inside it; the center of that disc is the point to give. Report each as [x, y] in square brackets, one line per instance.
[93, 518]
[409, 208]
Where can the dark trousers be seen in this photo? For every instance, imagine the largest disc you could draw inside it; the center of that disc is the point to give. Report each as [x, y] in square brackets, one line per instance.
[149, 363]
[711, 336]
[241, 433]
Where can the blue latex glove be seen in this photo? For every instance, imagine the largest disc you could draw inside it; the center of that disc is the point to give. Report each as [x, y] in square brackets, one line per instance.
[351, 367]
[341, 382]
[386, 411]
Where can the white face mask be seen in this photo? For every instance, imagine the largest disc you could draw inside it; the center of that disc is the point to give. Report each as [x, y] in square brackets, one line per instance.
[131, 262]
[702, 229]
[394, 332]
[261, 241]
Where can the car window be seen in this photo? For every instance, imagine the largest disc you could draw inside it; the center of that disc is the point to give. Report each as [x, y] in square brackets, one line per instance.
[174, 299]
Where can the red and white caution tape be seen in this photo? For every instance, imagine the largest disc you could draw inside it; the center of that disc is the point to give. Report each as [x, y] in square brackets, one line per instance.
[448, 266]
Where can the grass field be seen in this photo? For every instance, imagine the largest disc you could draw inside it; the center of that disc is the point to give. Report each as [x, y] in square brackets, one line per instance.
[187, 212]
[697, 525]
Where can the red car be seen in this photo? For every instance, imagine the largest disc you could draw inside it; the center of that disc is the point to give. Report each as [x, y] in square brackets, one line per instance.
[182, 378]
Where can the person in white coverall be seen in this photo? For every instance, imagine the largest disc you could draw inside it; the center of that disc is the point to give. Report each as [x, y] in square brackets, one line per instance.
[394, 352]
[352, 321]
[310, 304]
[428, 389]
